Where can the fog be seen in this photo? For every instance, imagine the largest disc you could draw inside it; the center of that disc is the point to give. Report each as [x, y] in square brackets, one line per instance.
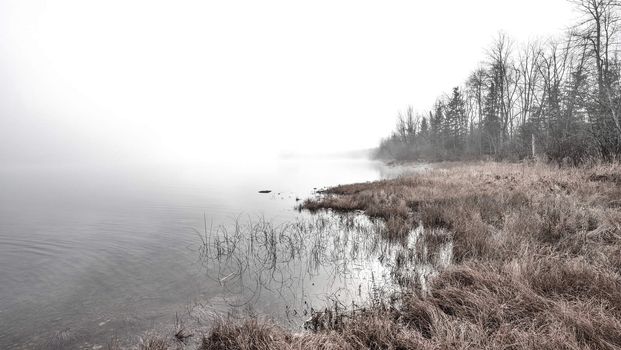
[155, 81]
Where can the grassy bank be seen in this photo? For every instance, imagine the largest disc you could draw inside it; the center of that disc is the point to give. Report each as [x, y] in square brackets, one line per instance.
[536, 263]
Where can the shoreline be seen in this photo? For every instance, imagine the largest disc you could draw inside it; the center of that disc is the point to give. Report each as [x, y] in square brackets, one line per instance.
[493, 255]
[534, 262]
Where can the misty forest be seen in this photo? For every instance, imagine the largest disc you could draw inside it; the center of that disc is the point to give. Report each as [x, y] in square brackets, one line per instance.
[558, 99]
[184, 177]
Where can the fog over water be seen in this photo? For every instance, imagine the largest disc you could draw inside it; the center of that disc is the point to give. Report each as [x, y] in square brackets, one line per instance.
[153, 81]
[116, 250]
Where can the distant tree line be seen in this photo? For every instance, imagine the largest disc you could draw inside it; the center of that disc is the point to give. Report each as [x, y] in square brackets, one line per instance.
[559, 99]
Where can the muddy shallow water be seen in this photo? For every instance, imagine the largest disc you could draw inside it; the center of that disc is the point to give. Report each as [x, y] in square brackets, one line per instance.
[91, 253]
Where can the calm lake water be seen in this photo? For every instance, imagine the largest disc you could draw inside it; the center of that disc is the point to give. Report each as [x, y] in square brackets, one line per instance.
[92, 252]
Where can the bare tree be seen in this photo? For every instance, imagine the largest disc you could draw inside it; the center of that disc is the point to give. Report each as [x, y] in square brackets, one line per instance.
[529, 62]
[505, 80]
[599, 29]
[475, 87]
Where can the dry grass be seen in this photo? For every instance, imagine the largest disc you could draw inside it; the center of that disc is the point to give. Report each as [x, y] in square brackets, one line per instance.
[536, 263]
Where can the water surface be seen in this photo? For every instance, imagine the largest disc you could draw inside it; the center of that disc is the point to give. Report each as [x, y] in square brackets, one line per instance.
[97, 251]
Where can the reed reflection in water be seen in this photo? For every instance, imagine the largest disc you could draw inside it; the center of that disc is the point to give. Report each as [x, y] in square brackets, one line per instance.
[315, 263]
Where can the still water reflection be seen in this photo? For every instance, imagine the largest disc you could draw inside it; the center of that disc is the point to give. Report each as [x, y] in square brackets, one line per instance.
[92, 252]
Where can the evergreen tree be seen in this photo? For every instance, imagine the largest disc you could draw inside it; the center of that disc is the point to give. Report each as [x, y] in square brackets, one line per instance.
[438, 129]
[456, 122]
[424, 128]
[491, 121]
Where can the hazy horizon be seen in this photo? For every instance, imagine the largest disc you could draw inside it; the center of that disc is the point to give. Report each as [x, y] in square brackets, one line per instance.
[155, 82]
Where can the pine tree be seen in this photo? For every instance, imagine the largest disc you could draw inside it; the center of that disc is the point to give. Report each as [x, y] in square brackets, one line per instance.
[456, 122]
[438, 128]
[491, 121]
[424, 128]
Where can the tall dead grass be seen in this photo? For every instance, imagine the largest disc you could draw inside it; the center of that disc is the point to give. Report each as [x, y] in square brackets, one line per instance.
[536, 263]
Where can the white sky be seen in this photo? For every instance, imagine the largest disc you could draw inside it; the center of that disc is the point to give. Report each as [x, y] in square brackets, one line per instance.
[188, 80]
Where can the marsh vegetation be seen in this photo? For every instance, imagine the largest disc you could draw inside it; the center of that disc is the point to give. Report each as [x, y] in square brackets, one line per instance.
[534, 263]
[310, 275]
